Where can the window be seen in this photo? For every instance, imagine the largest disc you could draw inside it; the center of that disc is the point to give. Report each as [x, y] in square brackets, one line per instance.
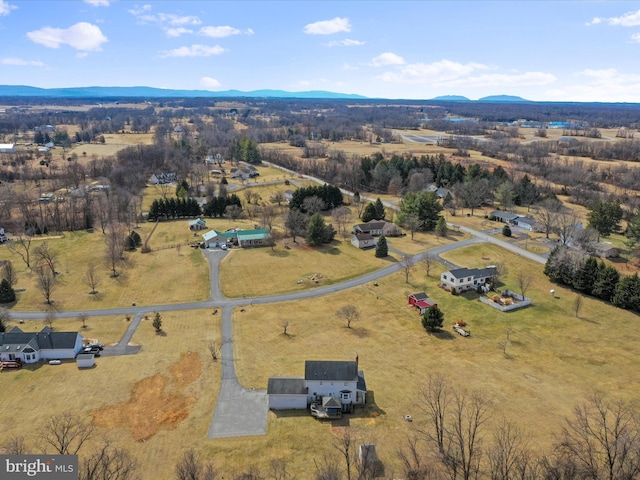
[320, 382]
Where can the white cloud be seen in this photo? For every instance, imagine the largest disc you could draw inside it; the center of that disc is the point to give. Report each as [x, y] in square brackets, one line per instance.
[629, 19]
[304, 83]
[5, 8]
[636, 37]
[347, 42]
[605, 85]
[97, 3]
[140, 10]
[327, 27]
[387, 58]
[177, 31]
[21, 62]
[219, 32]
[194, 51]
[444, 70]
[81, 36]
[209, 82]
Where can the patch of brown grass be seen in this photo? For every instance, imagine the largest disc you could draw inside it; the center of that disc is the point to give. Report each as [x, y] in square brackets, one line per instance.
[155, 403]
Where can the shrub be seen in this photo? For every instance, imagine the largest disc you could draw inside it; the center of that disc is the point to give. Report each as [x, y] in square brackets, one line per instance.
[506, 231]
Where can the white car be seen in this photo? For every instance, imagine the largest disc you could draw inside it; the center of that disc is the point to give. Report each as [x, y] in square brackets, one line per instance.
[54, 362]
[224, 247]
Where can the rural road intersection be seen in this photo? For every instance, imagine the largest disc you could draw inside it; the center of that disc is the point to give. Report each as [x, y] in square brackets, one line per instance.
[240, 411]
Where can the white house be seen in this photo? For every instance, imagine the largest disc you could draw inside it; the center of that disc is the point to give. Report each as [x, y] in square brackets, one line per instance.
[462, 279]
[528, 223]
[502, 216]
[363, 240]
[213, 238]
[323, 381]
[377, 228]
[197, 224]
[44, 345]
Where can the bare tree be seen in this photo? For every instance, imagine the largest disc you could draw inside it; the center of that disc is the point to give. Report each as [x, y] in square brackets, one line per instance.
[509, 456]
[346, 445]
[5, 318]
[427, 263]
[434, 397]
[46, 257]
[342, 217]
[524, 281]
[233, 212]
[214, 350]
[284, 324]
[66, 433]
[267, 216]
[9, 273]
[50, 317]
[412, 222]
[507, 340]
[577, 305]
[116, 234]
[414, 463]
[407, 263]
[350, 313]
[602, 439]
[313, 204]
[92, 279]
[15, 446]
[163, 189]
[279, 469]
[82, 318]
[46, 283]
[190, 467]
[21, 245]
[109, 462]
[547, 214]
[277, 197]
[296, 222]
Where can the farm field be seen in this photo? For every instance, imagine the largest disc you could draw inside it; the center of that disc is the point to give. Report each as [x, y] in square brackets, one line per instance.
[553, 359]
[148, 403]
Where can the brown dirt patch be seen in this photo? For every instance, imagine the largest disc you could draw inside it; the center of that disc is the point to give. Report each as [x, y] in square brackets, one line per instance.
[156, 402]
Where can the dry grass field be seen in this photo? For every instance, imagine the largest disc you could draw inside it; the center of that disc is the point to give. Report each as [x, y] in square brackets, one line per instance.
[261, 271]
[147, 279]
[553, 358]
[113, 143]
[155, 403]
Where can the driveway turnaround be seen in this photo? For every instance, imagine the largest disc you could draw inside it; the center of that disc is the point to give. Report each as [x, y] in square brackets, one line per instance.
[239, 412]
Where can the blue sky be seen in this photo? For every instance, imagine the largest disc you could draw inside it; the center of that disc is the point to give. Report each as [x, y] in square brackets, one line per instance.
[539, 50]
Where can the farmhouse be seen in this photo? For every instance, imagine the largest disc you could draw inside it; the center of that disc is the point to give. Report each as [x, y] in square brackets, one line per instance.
[421, 301]
[377, 228]
[242, 238]
[363, 240]
[326, 384]
[197, 224]
[44, 345]
[462, 279]
[163, 178]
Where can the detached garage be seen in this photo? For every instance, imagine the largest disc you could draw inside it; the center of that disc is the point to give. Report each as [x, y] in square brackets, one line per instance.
[85, 360]
[287, 393]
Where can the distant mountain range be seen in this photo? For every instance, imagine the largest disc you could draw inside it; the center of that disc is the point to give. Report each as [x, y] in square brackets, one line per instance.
[150, 92]
[489, 99]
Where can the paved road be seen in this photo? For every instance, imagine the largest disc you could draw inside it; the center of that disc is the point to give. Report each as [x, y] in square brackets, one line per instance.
[240, 411]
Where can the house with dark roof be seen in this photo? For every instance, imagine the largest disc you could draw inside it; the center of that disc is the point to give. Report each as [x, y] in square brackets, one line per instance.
[501, 216]
[44, 345]
[363, 240]
[325, 383]
[377, 228]
[462, 279]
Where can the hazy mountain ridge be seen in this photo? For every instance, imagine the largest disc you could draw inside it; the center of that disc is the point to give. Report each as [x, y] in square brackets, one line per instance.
[151, 92]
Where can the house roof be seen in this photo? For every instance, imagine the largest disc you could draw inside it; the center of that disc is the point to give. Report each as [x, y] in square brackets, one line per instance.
[286, 386]
[16, 340]
[340, 371]
[331, 402]
[197, 221]
[211, 234]
[527, 220]
[363, 236]
[244, 235]
[419, 296]
[473, 272]
[503, 215]
[370, 225]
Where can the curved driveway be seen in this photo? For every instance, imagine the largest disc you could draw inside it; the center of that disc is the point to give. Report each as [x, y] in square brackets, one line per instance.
[240, 411]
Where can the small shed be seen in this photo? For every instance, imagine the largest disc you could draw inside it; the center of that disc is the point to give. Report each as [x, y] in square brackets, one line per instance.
[421, 301]
[605, 250]
[85, 360]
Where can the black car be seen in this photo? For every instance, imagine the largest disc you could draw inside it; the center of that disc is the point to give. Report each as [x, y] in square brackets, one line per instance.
[99, 346]
[94, 350]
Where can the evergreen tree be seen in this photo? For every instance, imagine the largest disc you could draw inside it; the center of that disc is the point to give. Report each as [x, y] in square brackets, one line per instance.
[425, 205]
[129, 243]
[585, 275]
[605, 217]
[157, 322]
[7, 293]
[382, 249]
[433, 319]
[369, 212]
[441, 227]
[606, 282]
[380, 213]
[137, 240]
[182, 189]
[627, 293]
[318, 232]
[506, 231]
